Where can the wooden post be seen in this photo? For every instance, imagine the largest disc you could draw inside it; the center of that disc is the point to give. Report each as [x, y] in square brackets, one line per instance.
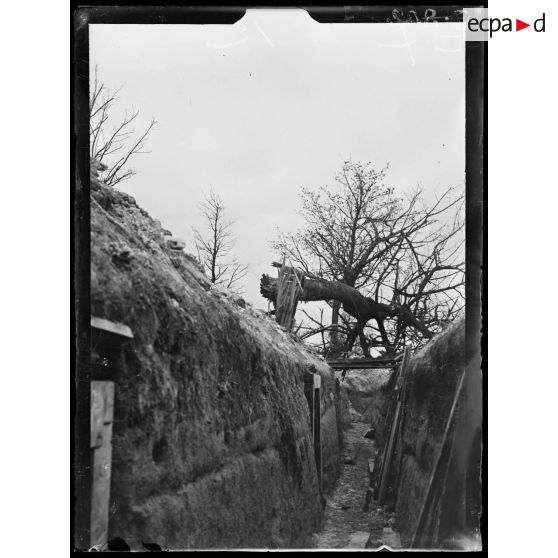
[102, 409]
[443, 453]
[389, 453]
[312, 390]
[309, 393]
[318, 428]
[106, 338]
[386, 462]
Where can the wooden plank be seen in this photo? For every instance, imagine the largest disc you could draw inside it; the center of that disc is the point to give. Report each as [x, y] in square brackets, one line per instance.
[102, 411]
[100, 496]
[343, 367]
[97, 416]
[318, 434]
[404, 366]
[386, 461]
[417, 536]
[112, 327]
[389, 452]
[309, 393]
[361, 363]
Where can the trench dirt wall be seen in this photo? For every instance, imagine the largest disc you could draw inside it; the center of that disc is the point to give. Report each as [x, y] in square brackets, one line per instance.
[212, 446]
[450, 514]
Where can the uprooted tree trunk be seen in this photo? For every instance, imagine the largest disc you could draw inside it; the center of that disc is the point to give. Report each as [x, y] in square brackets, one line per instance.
[360, 307]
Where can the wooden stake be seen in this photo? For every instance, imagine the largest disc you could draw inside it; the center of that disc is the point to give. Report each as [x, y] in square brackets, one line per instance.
[102, 409]
[417, 537]
[386, 462]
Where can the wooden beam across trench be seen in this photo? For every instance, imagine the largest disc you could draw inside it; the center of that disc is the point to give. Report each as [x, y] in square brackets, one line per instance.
[363, 363]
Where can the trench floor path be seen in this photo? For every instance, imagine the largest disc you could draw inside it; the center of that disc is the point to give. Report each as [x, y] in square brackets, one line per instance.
[344, 516]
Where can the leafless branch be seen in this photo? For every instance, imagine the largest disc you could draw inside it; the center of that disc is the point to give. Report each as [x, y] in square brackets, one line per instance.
[108, 136]
[215, 242]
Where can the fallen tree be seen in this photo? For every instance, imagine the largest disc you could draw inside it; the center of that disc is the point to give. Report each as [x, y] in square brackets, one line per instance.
[360, 307]
[390, 268]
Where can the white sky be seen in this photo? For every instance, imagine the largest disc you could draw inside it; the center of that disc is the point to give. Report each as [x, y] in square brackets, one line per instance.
[278, 101]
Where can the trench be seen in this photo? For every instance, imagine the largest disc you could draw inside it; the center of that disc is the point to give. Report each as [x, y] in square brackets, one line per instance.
[346, 523]
[179, 388]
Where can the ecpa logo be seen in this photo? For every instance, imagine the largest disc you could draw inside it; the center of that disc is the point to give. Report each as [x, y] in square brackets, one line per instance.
[480, 27]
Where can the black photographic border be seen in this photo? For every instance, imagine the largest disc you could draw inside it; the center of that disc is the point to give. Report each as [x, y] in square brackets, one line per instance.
[476, 84]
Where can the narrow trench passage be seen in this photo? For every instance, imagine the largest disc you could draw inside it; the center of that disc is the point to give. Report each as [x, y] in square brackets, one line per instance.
[346, 525]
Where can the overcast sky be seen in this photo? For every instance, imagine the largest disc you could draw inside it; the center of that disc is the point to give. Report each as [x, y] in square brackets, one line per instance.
[277, 101]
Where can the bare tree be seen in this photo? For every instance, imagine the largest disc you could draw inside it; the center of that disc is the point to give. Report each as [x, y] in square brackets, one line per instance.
[373, 256]
[214, 245]
[113, 143]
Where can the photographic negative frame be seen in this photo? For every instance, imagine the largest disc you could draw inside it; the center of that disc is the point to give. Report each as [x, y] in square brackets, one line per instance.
[475, 54]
